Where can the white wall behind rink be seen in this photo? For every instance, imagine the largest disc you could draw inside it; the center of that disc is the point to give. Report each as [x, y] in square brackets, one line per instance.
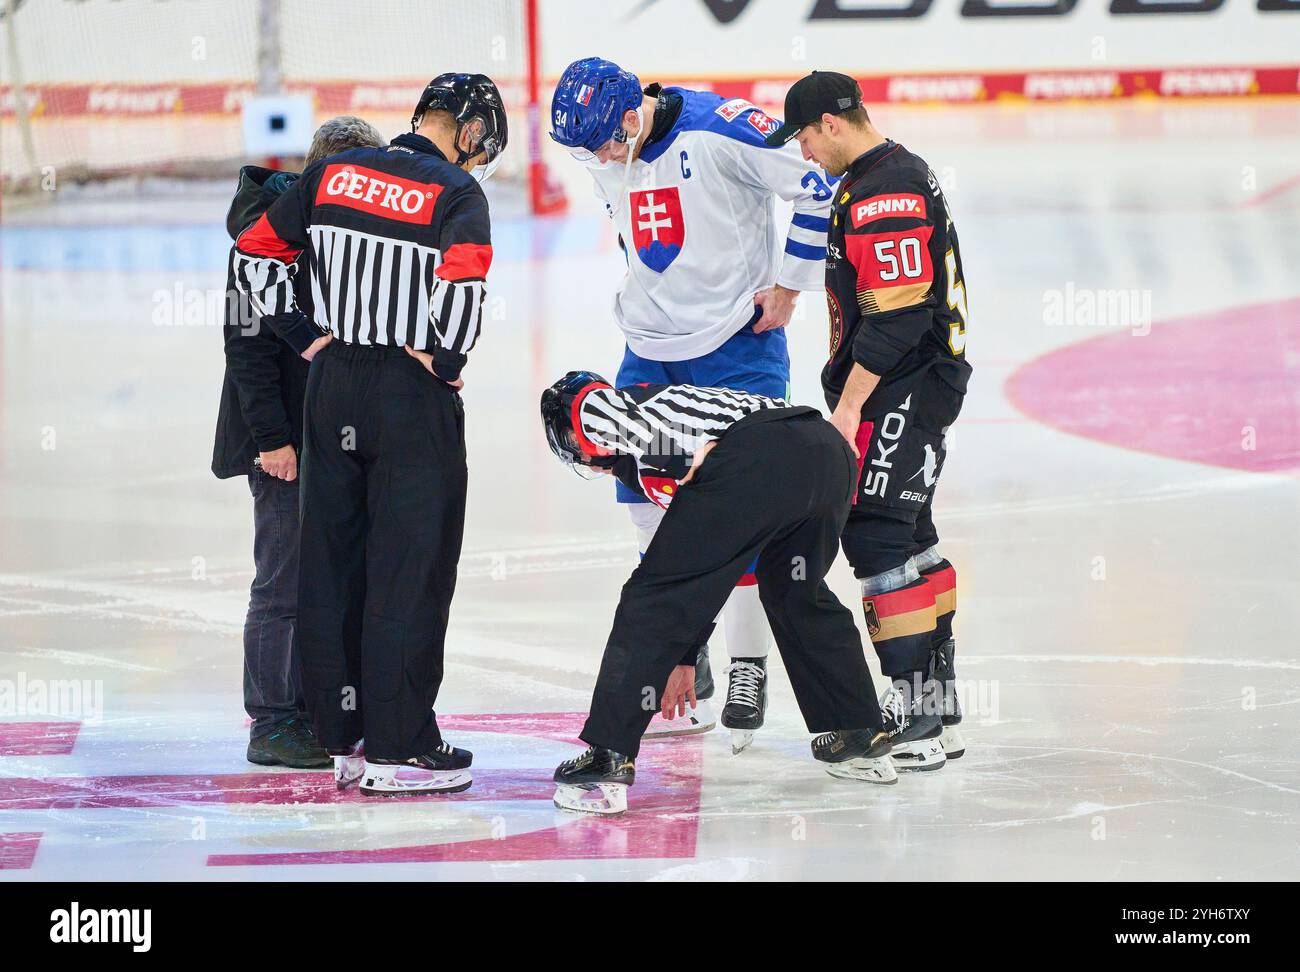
[215, 40]
[682, 38]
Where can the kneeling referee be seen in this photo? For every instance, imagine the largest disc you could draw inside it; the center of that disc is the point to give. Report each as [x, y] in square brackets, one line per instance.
[742, 477]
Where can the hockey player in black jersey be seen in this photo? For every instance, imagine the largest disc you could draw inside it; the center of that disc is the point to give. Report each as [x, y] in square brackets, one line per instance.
[741, 477]
[896, 377]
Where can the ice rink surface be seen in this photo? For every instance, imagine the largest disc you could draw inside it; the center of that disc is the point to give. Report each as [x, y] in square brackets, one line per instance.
[1120, 503]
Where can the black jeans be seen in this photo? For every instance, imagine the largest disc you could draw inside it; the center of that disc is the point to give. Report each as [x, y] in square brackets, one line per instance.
[779, 490]
[272, 681]
[383, 514]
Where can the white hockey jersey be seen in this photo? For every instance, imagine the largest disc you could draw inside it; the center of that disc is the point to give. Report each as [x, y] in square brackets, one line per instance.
[697, 220]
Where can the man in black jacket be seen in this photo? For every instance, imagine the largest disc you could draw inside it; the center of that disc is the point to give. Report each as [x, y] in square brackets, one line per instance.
[259, 433]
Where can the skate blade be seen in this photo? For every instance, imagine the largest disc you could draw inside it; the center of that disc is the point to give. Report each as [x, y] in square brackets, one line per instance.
[740, 740]
[698, 718]
[878, 770]
[670, 732]
[603, 799]
[923, 755]
[450, 781]
[953, 743]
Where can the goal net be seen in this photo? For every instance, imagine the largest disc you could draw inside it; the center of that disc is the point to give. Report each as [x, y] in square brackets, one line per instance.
[94, 89]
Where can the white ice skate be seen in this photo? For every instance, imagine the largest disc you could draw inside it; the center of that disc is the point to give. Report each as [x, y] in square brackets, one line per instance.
[445, 770]
[383, 779]
[604, 799]
[595, 782]
[914, 727]
[879, 770]
[698, 718]
[856, 754]
[952, 742]
[919, 756]
[349, 764]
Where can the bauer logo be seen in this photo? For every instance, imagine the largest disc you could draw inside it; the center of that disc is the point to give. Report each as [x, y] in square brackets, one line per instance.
[377, 193]
[895, 204]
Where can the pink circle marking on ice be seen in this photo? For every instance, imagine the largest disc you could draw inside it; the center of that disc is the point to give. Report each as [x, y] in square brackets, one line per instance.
[1220, 388]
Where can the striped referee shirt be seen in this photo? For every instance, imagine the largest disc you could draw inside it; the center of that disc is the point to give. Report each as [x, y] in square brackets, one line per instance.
[661, 427]
[398, 245]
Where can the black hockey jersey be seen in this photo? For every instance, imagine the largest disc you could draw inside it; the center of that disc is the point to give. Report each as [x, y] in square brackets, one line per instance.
[398, 244]
[894, 285]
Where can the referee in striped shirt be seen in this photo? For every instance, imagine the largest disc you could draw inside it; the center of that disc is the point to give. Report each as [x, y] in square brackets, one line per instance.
[742, 477]
[398, 244]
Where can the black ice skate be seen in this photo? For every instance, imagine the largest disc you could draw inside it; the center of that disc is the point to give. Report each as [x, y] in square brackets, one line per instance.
[914, 725]
[856, 754]
[595, 782]
[445, 770]
[941, 661]
[746, 700]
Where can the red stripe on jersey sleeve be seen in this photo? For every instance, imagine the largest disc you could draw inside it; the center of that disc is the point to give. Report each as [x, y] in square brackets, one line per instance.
[465, 261]
[262, 240]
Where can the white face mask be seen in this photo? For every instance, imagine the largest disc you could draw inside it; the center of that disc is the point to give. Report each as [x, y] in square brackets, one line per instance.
[631, 152]
[484, 172]
[592, 158]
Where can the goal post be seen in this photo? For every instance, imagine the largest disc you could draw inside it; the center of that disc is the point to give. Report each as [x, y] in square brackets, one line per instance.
[545, 194]
[94, 89]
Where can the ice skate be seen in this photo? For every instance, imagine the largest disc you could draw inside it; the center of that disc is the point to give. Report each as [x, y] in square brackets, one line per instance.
[445, 770]
[952, 741]
[349, 764]
[746, 700]
[914, 727]
[697, 718]
[595, 782]
[856, 754]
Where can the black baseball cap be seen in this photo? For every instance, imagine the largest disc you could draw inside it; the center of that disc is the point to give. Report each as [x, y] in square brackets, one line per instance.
[820, 93]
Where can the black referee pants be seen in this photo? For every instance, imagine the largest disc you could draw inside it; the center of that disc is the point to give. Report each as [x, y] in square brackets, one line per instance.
[778, 490]
[383, 512]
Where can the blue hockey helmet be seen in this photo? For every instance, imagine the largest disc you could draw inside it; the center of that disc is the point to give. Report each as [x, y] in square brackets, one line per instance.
[589, 101]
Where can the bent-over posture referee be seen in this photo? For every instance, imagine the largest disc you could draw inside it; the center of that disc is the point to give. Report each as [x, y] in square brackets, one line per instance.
[398, 244]
[742, 477]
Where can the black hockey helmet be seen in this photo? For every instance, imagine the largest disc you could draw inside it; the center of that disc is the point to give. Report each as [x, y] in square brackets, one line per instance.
[474, 101]
[560, 420]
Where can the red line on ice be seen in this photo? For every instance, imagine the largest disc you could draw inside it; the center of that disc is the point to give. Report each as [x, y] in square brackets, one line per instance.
[668, 786]
[38, 738]
[1188, 389]
[18, 850]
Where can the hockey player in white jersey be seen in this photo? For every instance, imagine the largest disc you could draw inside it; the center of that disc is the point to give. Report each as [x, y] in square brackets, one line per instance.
[712, 281]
